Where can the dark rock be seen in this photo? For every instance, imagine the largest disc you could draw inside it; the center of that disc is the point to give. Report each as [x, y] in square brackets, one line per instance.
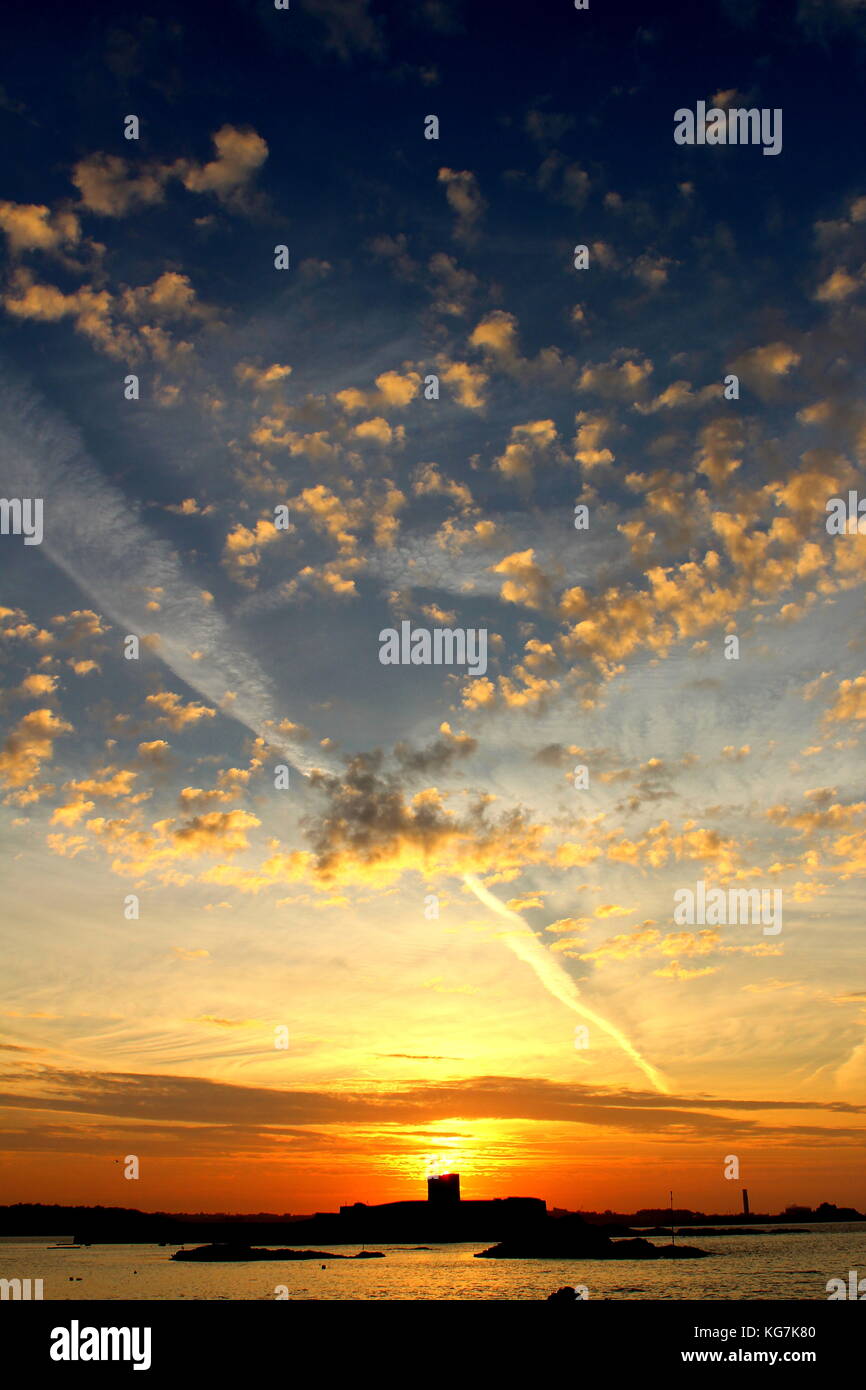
[549, 1245]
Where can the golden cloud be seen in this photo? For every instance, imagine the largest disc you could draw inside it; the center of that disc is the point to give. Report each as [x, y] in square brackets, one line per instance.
[29, 745]
[175, 713]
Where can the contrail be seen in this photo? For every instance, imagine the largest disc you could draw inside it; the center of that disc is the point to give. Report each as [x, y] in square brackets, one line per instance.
[526, 945]
[98, 538]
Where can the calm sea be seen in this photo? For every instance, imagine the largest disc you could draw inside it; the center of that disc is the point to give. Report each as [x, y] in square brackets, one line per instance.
[741, 1267]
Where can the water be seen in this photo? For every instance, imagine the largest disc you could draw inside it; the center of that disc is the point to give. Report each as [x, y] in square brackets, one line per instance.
[741, 1267]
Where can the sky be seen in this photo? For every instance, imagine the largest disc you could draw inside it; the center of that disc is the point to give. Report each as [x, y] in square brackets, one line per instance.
[295, 927]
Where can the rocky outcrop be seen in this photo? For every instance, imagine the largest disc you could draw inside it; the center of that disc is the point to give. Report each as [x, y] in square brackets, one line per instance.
[565, 1240]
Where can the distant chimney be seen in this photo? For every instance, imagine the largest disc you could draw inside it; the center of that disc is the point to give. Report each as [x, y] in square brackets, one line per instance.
[745, 1201]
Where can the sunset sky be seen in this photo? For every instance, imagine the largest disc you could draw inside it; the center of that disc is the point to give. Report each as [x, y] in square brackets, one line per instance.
[421, 1043]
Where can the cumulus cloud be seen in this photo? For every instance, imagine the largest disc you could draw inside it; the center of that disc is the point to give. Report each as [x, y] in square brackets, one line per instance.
[394, 390]
[115, 187]
[34, 227]
[466, 381]
[496, 334]
[29, 745]
[239, 155]
[261, 378]
[529, 445]
[623, 377]
[243, 547]
[128, 325]
[107, 185]
[589, 447]
[849, 702]
[840, 285]
[175, 713]
[523, 580]
[565, 182]
[464, 198]
[762, 367]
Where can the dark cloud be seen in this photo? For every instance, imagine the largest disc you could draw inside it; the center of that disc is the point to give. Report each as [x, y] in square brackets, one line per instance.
[437, 755]
[170, 1100]
[349, 27]
[370, 819]
[419, 1056]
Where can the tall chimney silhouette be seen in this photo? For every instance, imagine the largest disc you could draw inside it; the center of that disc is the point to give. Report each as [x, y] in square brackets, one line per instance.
[745, 1201]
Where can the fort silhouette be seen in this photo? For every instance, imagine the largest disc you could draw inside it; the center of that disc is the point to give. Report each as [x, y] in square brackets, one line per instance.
[443, 1217]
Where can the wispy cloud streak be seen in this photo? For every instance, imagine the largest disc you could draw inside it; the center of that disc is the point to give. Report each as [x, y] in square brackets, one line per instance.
[527, 947]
